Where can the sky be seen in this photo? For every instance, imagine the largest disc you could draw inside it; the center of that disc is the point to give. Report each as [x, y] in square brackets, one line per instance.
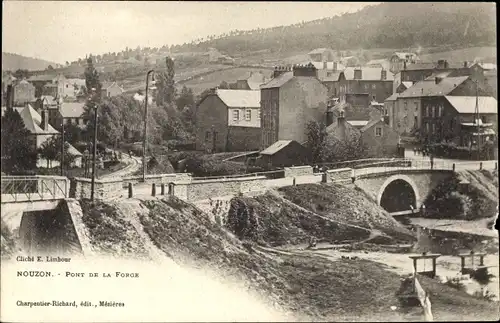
[61, 31]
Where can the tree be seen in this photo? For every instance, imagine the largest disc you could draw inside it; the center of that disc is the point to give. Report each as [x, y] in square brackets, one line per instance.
[92, 77]
[185, 99]
[21, 74]
[224, 85]
[51, 151]
[18, 149]
[50, 67]
[316, 136]
[166, 84]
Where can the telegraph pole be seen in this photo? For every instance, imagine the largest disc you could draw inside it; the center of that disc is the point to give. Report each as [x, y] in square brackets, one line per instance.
[62, 149]
[476, 112]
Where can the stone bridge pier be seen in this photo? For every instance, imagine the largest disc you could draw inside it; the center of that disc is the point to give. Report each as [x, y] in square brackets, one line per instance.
[398, 191]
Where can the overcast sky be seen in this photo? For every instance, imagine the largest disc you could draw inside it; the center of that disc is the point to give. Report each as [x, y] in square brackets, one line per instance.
[61, 31]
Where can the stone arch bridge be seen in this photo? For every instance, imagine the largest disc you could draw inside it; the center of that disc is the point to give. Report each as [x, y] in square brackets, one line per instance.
[402, 189]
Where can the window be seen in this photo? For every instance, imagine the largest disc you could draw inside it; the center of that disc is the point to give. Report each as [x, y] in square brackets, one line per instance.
[374, 86]
[452, 125]
[415, 122]
[416, 107]
[427, 127]
[440, 111]
[406, 105]
[236, 115]
[207, 136]
[434, 128]
[248, 114]
[67, 86]
[215, 136]
[258, 114]
[378, 131]
[433, 111]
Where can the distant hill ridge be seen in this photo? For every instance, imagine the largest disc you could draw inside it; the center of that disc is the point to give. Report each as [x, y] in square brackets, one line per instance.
[387, 25]
[13, 62]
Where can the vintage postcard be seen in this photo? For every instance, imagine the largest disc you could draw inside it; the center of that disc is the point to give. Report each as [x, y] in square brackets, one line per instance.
[204, 161]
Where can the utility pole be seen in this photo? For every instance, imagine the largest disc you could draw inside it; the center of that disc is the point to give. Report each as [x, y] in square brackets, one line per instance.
[62, 149]
[144, 143]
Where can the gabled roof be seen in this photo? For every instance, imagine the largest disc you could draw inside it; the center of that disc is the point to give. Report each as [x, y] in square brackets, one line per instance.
[332, 77]
[371, 124]
[368, 74]
[407, 84]
[487, 66]
[73, 151]
[358, 123]
[467, 104]
[72, 109]
[419, 66]
[393, 97]
[239, 98]
[107, 85]
[277, 146]
[278, 81]
[430, 88]
[335, 130]
[33, 121]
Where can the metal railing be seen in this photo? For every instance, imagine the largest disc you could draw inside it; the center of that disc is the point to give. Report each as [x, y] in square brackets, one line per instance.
[33, 188]
[280, 173]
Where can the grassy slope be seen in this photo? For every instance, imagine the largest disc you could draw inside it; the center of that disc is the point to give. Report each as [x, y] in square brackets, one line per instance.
[347, 205]
[311, 286]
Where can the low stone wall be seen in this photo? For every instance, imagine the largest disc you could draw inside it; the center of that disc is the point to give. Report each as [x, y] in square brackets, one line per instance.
[204, 189]
[74, 210]
[341, 174]
[279, 182]
[158, 178]
[104, 188]
[298, 171]
[309, 179]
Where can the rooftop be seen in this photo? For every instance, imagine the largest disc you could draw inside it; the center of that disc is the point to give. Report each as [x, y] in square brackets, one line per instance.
[277, 146]
[72, 109]
[278, 81]
[240, 98]
[431, 88]
[467, 104]
[368, 74]
[371, 124]
[33, 122]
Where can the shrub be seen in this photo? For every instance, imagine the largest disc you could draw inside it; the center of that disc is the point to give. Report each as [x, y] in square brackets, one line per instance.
[454, 282]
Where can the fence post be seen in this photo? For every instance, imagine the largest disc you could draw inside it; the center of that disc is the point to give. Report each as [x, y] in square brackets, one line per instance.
[130, 190]
[162, 188]
[496, 165]
[480, 165]
[294, 182]
[353, 179]
[453, 166]
[153, 189]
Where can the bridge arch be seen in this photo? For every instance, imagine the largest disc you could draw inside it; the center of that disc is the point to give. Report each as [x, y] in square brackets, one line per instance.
[408, 189]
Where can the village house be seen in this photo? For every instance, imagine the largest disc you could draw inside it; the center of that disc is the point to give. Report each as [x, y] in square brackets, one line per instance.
[398, 59]
[283, 153]
[252, 82]
[374, 81]
[229, 120]
[405, 113]
[381, 63]
[379, 139]
[420, 71]
[52, 105]
[41, 131]
[110, 90]
[24, 93]
[357, 110]
[72, 113]
[328, 73]
[293, 98]
[53, 85]
[454, 118]
[321, 55]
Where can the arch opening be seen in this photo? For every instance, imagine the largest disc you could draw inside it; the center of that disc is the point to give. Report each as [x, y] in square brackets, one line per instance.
[398, 196]
[47, 232]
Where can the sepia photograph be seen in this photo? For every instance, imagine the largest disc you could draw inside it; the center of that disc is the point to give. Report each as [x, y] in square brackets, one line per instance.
[239, 161]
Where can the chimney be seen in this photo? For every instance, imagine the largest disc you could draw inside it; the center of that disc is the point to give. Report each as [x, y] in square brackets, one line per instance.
[305, 70]
[438, 79]
[383, 74]
[404, 65]
[325, 65]
[45, 119]
[329, 115]
[358, 74]
[278, 70]
[441, 63]
[335, 66]
[465, 64]
[341, 117]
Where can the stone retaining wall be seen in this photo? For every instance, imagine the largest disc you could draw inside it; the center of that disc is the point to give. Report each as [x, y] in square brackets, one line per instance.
[204, 189]
[341, 174]
[104, 188]
[298, 171]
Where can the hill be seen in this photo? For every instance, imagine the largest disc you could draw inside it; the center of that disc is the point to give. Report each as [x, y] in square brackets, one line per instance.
[13, 62]
[388, 25]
